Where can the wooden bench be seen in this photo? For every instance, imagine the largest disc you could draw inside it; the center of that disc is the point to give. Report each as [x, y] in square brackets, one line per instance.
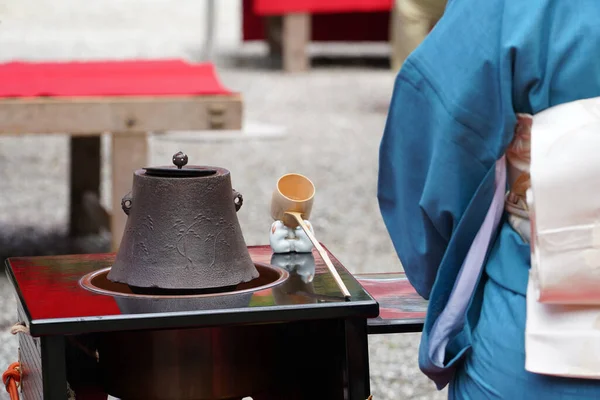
[127, 99]
[290, 25]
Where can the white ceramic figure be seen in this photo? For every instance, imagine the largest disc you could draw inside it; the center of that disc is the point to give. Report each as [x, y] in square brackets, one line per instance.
[285, 240]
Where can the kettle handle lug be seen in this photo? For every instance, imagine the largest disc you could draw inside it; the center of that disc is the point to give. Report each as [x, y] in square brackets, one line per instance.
[238, 200]
[126, 203]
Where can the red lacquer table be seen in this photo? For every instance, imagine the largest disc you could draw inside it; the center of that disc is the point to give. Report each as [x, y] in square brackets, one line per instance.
[127, 99]
[318, 330]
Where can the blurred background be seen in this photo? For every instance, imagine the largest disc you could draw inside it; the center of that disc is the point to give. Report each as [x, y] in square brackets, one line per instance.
[325, 122]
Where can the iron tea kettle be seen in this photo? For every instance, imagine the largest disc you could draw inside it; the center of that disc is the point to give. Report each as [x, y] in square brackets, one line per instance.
[182, 231]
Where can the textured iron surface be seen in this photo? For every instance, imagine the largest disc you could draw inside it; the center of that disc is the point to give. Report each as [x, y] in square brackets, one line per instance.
[183, 233]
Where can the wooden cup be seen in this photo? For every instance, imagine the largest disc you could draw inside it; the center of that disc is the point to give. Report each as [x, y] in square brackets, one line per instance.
[294, 193]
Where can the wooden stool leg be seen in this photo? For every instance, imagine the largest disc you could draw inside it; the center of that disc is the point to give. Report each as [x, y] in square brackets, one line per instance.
[273, 32]
[85, 187]
[296, 37]
[129, 153]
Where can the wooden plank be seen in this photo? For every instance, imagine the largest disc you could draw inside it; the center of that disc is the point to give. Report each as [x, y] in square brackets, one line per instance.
[122, 115]
[296, 37]
[129, 153]
[30, 358]
[85, 182]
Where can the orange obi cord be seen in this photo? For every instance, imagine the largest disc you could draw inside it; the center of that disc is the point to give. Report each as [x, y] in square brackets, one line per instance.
[11, 378]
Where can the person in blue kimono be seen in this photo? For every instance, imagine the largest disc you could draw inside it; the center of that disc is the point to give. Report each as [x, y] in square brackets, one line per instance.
[452, 116]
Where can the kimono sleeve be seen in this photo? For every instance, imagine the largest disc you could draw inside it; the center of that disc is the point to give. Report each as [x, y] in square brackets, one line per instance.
[431, 166]
[450, 119]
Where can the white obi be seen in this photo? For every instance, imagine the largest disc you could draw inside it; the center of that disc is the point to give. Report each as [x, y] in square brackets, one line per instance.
[562, 335]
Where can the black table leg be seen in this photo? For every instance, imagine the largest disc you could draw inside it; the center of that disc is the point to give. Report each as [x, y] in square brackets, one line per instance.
[357, 360]
[54, 367]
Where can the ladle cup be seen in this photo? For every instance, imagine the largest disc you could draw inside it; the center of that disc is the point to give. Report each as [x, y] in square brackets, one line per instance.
[292, 203]
[294, 193]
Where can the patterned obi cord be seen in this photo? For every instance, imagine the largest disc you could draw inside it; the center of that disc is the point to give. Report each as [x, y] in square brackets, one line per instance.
[518, 157]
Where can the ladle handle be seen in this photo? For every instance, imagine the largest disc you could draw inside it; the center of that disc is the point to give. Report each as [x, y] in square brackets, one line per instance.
[322, 253]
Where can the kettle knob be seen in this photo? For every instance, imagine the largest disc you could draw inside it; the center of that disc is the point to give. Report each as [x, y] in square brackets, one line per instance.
[180, 159]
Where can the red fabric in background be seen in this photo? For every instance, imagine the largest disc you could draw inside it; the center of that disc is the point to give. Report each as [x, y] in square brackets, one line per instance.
[372, 26]
[275, 7]
[352, 27]
[109, 78]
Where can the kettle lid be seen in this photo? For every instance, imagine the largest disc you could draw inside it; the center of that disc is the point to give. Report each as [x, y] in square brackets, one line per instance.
[177, 170]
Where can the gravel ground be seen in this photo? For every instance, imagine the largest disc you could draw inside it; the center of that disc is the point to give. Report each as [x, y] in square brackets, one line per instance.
[333, 118]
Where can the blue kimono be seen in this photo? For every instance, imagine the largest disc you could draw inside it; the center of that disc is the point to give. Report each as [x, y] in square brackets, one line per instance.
[451, 117]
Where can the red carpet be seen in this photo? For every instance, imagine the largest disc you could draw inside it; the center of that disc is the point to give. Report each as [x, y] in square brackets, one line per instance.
[274, 7]
[110, 78]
